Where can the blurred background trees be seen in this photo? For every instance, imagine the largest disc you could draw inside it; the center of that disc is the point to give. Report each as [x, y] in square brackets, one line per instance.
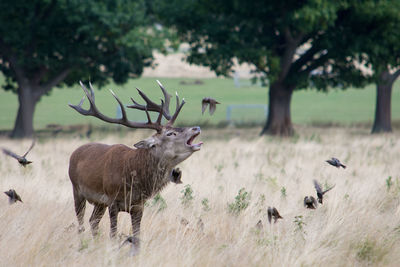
[292, 45]
[48, 43]
[375, 27]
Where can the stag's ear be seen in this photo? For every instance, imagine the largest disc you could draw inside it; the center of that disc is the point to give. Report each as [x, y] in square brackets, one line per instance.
[147, 143]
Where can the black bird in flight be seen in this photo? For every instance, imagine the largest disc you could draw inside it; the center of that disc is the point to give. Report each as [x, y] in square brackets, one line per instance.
[213, 104]
[12, 196]
[21, 159]
[310, 202]
[335, 162]
[176, 176]
[273, 213]
[320, 193]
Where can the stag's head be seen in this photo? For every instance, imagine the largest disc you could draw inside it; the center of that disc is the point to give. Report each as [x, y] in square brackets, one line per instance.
[174, 144]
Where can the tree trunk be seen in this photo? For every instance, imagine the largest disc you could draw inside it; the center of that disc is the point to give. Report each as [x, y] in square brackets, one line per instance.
[23, 126]
[382, 121]
[279, 121]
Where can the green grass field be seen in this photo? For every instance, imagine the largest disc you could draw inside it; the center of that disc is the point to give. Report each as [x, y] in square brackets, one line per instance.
[308, 106]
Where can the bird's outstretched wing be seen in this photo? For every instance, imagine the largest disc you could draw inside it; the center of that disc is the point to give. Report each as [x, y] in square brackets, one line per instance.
[328, 189]
[204, 104]
[332, 162]
[32, 145]
[10, 153]
[213, 106]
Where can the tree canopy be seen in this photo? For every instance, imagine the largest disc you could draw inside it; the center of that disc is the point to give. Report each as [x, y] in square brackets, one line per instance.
[375, 28]
[47, 43]
[287, 40]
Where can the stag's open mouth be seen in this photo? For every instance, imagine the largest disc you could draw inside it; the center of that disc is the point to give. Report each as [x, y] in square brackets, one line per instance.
[194, 146]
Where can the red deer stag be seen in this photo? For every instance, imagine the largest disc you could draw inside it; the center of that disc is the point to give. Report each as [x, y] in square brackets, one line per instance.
[123, 178]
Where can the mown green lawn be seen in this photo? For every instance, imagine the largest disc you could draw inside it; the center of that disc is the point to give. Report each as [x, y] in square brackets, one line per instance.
[336, 106]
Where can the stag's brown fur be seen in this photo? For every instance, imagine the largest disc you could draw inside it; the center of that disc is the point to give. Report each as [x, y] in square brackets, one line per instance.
[120, 173]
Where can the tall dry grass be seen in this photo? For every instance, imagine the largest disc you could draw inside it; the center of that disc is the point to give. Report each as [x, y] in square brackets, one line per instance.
[359, 223]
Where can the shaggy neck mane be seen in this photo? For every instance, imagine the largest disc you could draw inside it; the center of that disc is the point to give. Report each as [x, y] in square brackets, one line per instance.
[146, 173]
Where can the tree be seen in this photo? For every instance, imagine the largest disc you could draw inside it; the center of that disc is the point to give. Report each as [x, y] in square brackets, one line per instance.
[285, 40]
[48, 43]
[378, 47]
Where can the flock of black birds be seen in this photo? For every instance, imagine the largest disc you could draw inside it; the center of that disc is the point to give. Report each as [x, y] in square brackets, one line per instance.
[309, 201]
[13, 197]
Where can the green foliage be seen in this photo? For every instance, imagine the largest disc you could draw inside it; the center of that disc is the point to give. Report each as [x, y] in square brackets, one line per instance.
[299, 224]
[265, 34]
[205, 204]
[159, 202]
[219, 167]
[383, 23]
[393, 186]
[389, 183]
[261, 204]
[95, 40]
[83, 245]
[187, 197]
[242, 201]
[283, 192]
[369, 251]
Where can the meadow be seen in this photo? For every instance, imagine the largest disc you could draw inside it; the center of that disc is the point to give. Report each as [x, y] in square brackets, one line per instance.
[358, 224]
[308, 106]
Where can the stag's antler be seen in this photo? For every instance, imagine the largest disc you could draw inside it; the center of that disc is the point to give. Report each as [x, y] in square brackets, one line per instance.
[163, 108]
[93, 111]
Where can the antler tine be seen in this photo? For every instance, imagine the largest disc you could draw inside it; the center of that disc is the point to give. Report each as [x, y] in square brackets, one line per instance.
[151, 106]
[177, 100]
[148, 116]
[178, 109]
[82, 100]
[160, 114]
[91, 91]
[167, 96]
[124, 117]
[93, 111]
[78, 107]
[89, 96]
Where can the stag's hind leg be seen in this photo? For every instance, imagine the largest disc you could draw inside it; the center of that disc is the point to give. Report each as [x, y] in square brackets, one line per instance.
[80, 205]
[97, 214]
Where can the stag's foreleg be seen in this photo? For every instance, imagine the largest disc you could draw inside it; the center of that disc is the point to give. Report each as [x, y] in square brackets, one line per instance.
[80, 205]
[113, 212]
[97, 214]
[136, 218]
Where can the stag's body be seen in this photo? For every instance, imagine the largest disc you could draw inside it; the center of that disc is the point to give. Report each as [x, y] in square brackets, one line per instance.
[117, 174]
[123, 178]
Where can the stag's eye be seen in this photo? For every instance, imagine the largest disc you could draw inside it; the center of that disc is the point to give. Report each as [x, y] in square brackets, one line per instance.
[171, 133]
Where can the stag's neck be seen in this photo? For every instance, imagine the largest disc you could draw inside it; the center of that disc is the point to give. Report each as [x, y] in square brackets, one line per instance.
[149, 174]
